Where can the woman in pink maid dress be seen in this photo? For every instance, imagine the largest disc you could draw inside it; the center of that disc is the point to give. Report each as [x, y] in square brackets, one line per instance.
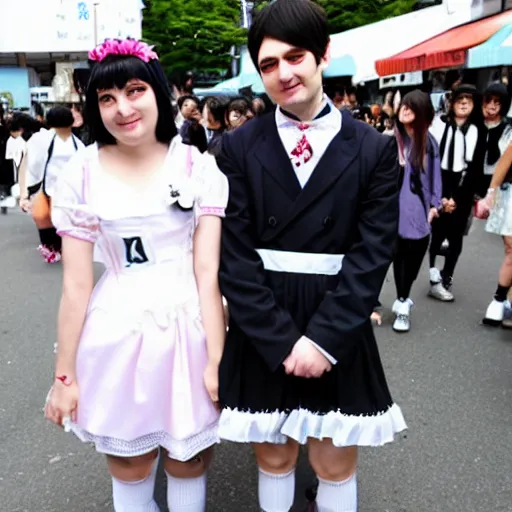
[138, 354]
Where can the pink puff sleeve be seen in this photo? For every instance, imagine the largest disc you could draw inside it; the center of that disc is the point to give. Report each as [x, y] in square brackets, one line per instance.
[212, 187]
[71, 215]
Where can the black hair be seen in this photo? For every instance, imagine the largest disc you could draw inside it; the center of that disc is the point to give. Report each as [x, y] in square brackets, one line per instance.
[259, 106]
[217, 106]
[194, 134]
[38, 109]
[15, 124]
[25, 122]
[182, 99]
[351, 90]
[419, 102]
[500, 91]
[60, 117]
[116, 71]
[300, 23]
[239, 104]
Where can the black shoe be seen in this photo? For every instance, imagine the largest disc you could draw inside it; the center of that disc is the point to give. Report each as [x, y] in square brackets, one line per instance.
[4, 210]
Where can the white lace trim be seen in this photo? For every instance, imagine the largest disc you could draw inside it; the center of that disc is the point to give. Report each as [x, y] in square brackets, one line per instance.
[182, 450]
[299, 424]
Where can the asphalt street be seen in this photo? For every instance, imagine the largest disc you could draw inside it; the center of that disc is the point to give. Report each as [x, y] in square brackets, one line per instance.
[451, 376]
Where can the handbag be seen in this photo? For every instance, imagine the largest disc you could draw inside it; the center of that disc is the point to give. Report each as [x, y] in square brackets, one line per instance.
[42, 211]
[481, 210]
[42, 204]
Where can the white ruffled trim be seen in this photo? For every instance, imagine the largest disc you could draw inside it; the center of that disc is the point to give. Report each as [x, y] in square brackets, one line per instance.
[345, 430]
[181, 450]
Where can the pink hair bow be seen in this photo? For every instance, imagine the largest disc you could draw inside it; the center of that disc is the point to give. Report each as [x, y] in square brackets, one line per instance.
[127, 47]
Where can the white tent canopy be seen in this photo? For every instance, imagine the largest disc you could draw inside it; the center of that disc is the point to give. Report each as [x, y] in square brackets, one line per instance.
[385, 38]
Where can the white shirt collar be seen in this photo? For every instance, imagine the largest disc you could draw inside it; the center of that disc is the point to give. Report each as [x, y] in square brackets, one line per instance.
[329, 121]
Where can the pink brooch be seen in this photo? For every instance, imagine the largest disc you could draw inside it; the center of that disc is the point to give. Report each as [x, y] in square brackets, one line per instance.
[128, 46]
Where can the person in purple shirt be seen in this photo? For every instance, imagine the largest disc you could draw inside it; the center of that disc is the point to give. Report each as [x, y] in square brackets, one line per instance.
[420, 197]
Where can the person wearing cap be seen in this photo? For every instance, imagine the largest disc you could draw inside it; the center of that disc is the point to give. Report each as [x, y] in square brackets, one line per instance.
[457, 136]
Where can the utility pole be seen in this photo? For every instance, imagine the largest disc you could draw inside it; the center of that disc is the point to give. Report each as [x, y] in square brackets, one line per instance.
[95, 21]
[245, 14]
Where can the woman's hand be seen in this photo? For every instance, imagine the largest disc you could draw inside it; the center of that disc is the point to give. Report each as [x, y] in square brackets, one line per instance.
[211, 381]
[449, 205]
[484, 206]
[25, 205]
[62, 402]
[490, 199]
[432, 214]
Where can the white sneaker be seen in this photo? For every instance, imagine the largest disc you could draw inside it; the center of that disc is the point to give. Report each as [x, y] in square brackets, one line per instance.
[507, 316]
[396, 305]
[494, 314]
[403, 312]
[439, 292]
[435, 275]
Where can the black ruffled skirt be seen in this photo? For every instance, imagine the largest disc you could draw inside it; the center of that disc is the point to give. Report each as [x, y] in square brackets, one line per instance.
[351, 404]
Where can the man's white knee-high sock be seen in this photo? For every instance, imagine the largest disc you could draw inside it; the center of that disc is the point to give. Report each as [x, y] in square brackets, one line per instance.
[337, 496]
[276, 492]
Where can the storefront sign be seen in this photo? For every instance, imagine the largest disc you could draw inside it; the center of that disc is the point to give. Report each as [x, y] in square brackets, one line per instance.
[31, 26]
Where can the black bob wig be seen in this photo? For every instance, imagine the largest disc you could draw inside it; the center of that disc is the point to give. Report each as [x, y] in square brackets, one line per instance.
[60, 117]
[116, 71]
[299, 23]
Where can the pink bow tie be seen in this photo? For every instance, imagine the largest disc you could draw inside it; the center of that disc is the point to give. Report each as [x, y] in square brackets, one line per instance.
[302, 152]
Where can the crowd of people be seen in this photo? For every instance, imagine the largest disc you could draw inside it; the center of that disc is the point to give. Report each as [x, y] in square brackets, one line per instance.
[449, 159]
[244, 254]
[463, 143]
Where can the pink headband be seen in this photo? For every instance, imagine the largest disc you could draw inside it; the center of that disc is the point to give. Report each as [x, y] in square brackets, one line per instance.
[123, 47]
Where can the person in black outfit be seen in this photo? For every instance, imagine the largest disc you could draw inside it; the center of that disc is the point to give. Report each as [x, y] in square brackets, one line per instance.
[307, 241]
[192, 131]
[214, 120]
[457, 136]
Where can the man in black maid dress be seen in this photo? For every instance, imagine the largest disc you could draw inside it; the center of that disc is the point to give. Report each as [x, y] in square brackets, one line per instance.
[307, 241]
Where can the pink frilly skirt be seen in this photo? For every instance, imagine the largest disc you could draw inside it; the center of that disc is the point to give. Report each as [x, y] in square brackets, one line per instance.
[140, 366]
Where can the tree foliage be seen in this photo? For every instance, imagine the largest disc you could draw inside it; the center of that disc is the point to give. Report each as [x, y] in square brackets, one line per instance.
[199, 34]
[193, 34]
[347, 14]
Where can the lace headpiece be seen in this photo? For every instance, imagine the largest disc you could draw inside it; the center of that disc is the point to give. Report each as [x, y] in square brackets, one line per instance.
[123, 47]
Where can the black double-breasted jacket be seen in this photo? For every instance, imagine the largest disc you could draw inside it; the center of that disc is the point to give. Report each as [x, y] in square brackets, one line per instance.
[349, 206]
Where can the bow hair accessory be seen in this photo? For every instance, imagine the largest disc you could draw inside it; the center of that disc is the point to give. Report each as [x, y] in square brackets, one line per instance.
[127, 47]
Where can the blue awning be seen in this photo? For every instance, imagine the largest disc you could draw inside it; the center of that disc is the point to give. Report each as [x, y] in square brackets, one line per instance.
[239, 82]
[341, 66]
[248, 77]
[496, 51]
